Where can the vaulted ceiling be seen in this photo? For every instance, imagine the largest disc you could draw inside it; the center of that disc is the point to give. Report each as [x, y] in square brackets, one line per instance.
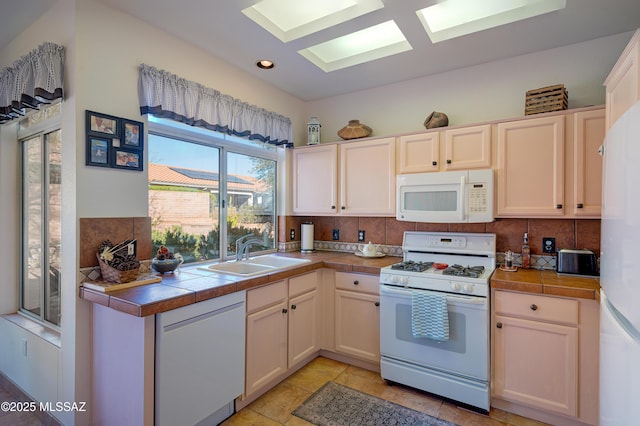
[221, 28]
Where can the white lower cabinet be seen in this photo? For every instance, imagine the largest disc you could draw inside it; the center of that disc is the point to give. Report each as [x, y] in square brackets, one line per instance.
[357, 315]
[545, 356]
[283, 329]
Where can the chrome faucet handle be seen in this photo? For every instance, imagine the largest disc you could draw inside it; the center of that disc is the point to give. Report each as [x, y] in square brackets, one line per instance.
[240, 245]
[247, 245]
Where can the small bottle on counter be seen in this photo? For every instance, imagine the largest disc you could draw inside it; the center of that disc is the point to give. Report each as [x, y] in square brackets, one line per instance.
[526, 252]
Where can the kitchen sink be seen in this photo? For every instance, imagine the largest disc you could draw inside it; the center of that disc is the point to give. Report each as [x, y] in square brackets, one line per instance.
[277, 261]
[254, 266]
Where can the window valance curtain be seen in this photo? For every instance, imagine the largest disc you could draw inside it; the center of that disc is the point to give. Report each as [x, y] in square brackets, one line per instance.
[34, 79]
[166, 95]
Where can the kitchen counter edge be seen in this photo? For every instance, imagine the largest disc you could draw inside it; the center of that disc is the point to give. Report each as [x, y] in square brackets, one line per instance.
[191, 285]
[547, 282]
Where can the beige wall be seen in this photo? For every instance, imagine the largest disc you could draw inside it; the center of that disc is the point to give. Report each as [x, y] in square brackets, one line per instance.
[111, 46]
[491, 91]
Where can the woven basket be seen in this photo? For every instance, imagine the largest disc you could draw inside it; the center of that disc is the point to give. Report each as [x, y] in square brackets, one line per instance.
[111, 274]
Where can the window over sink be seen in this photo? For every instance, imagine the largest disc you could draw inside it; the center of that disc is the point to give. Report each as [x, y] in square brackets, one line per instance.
[208, 189]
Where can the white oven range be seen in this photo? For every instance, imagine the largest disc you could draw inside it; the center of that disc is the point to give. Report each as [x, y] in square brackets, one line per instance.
[451, 266]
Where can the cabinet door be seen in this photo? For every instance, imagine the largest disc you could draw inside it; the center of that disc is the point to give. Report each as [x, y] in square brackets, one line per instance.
[305, 318]
[589, 132]
[623, 85]
[368, 178]
[536, 364]
[266, 354]
[315, 180]
[419, 153]
[358, 324]
[530, 169]
[467, 148]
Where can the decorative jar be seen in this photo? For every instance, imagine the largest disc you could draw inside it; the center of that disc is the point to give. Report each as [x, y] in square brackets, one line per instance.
[354, 130]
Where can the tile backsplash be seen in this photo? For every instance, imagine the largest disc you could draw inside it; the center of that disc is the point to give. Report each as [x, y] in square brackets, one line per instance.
[93, 231]
[569, 233]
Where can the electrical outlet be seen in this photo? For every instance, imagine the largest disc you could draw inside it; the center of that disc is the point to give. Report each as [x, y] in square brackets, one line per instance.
[335, 235]
[292, 234]
[132, 247]
[548, 245]
[361, 235]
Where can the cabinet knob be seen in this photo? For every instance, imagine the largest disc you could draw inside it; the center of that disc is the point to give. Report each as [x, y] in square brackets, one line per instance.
[293, 306]
[377, 303]
[284, 310]
[499, 325]
[434, 163]
[343, 207]
[448, 161]
[333, 207]
[533, 307]
[356, 282]
[579, 205]
[558, 206]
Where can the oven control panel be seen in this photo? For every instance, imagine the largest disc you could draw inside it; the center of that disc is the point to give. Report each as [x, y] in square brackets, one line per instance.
[448, 242]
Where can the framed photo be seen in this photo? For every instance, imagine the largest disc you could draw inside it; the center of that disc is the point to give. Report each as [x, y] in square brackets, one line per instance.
[103, 124]
[98, 151]
[127, 159]
[132, 136]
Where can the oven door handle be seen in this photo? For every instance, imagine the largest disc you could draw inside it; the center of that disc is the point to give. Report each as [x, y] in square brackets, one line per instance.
[468, 300]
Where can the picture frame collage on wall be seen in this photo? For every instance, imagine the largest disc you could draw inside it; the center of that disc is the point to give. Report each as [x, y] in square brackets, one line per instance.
[114, 142]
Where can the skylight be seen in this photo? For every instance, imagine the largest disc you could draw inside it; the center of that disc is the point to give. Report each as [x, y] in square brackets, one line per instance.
[371, 43]
[454, 18]
[289, 20]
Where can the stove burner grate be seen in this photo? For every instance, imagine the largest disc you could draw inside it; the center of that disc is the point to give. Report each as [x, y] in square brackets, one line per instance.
[464, 271]
[412, 266]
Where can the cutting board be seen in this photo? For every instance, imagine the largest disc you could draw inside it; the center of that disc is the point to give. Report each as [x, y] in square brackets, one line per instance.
[107, 287]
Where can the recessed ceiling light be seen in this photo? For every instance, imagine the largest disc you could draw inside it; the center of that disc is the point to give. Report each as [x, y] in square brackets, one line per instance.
[375, 42]
[292, 19]
[454, 18]
[265, 64]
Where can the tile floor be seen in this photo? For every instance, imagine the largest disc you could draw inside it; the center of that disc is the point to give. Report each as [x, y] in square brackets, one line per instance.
[12, 418]
[275, 407]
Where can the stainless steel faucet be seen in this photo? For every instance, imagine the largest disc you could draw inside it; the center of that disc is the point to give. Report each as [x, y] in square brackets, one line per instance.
[243, 245]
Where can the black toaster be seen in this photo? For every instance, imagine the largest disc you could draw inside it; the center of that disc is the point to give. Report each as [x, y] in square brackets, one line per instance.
[578, 262]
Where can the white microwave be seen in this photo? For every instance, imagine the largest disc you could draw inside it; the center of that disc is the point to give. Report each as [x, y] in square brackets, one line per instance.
[453, 197]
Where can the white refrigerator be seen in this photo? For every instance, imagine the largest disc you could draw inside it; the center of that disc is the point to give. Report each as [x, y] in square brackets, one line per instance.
[620, 274]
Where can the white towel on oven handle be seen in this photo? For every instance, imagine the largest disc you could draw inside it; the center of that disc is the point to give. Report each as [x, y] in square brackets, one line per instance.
[429, 315]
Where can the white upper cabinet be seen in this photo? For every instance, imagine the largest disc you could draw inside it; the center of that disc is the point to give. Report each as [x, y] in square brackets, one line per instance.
[623, 83]
[462, 148]
[351, 178]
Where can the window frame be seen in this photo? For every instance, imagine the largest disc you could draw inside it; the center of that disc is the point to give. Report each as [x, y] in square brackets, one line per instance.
[225, 144]
[37, 130]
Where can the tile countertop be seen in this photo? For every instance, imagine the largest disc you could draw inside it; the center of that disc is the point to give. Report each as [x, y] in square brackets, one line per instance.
[190, 284]
[547, 282]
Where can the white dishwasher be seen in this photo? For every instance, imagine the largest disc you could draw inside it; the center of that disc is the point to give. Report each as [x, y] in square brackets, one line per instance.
[199, 367]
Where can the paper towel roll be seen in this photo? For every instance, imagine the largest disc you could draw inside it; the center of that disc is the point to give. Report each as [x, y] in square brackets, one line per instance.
[306, 235]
